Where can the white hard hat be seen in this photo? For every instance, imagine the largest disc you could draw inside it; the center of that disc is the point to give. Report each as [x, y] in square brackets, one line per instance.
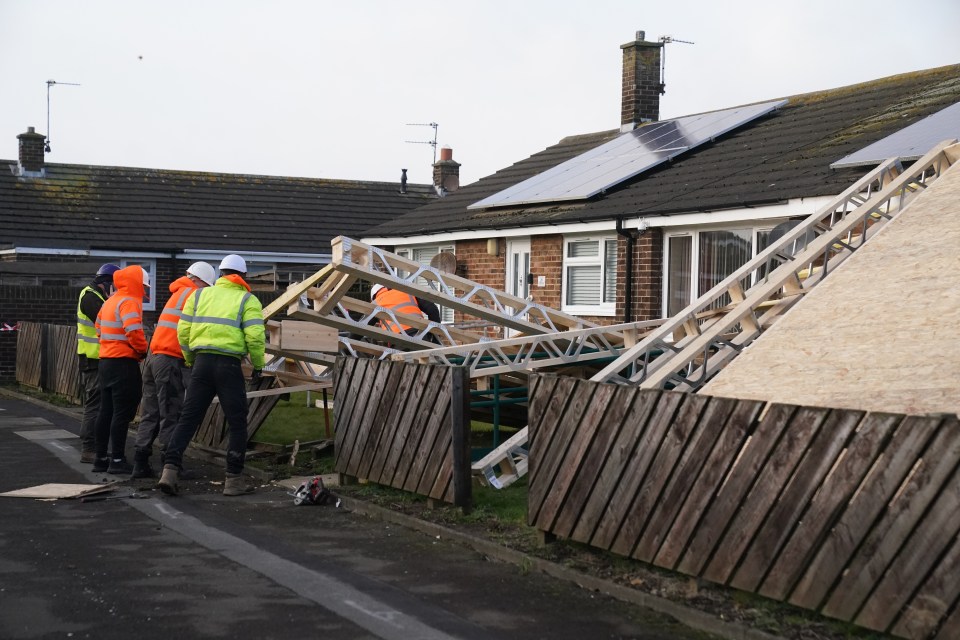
[234, 263]
[203, 271]
[146, 277]
[374, 290]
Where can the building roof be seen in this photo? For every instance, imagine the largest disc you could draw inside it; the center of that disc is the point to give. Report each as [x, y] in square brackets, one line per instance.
[130, 209]
[774, 159]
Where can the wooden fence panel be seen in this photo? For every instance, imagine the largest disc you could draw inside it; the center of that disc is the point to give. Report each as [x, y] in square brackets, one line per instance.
[853, 514]
[395, 426]
[29, 353]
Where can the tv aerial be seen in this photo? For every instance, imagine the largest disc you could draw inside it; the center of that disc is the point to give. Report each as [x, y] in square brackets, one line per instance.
[432, 143]
[50, 83]
[663, 60]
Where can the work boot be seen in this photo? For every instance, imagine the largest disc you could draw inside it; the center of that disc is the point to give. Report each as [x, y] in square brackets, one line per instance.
[119, 467]
[168, 480]
[100, 465]
[142, 468]
[87, 457]
[236, 485]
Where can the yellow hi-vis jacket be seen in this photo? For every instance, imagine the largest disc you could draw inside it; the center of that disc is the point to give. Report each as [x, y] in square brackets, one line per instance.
[226, 319]
[88, 343]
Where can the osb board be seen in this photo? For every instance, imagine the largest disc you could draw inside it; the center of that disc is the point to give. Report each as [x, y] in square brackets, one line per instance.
[880, 333]
[55, 491]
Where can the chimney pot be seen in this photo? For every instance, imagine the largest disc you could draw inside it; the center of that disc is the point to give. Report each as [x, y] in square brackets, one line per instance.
[446, 153]
[641, 36]
[403, 180]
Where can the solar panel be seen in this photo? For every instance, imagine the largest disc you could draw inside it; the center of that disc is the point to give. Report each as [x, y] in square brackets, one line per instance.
[625, 157]
[910, 142]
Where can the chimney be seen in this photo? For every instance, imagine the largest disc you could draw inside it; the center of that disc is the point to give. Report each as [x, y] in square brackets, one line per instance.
[446, 172]
[31, 150]
[641, 82]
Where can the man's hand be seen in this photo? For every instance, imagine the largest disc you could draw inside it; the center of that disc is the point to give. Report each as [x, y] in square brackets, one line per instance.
[255, 375]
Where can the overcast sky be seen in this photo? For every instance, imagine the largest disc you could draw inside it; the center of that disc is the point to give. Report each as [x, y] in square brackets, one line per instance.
[328, 89]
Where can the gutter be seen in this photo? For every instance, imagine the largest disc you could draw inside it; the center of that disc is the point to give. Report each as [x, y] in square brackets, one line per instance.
[628, 279]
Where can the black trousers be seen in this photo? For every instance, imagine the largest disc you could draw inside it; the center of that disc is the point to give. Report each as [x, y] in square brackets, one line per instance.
[120, 389]
[213, 375]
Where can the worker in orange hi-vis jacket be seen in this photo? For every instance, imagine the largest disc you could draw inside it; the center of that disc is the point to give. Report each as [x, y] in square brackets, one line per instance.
[165, 374]
[122, 346]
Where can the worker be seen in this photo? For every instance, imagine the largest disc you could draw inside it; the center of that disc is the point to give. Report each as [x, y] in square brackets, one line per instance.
[123, 346]
[91, 299]
[400, 302]
[219, 326]
[165, 375]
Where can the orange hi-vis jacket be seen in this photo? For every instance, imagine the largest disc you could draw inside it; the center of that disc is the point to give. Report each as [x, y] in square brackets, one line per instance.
[165, 335]
[398, 302]
[120, 321]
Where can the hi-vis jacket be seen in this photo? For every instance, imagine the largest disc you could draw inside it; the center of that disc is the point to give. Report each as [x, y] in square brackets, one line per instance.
[165, 338]
[399, 302]
[120, 321]
[226, 319]
[88, 344]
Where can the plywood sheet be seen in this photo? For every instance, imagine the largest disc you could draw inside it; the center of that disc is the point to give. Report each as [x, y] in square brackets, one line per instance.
[56, 491]
[880, 334]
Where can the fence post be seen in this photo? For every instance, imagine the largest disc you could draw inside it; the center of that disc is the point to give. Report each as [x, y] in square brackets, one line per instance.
[460, 424]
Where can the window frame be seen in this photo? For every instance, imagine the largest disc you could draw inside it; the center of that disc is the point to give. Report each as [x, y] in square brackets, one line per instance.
[694, 233]
[446, 313]
[150, 264]
[605, 308]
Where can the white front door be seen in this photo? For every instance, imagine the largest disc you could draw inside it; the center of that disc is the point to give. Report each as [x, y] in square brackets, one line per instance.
[518, 270]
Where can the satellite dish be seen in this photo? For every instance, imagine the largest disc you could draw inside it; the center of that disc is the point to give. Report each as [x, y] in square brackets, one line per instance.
[444, 262]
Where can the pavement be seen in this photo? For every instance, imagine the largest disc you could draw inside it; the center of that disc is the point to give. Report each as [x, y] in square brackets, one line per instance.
[200, 565]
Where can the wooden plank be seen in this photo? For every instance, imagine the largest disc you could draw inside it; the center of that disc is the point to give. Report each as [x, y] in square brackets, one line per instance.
[579, 501]
[279, 391]
[541, 408]
[350, 410]
[639, 406]
[899, 457]
[294, 292]
[550, 455]
[831, 498]
[764, 490]
[460, 434]
[572, 468]
[408, 377]
[827, 445]
[932, 602]
[636, 468]
[733, 435]
[364, 424]
[414, 430]
[889, 533]
[384, 421]
[298, 335]
[681, 478]
[406, 420]
[435, 426]
[669, 451]
[916, 560]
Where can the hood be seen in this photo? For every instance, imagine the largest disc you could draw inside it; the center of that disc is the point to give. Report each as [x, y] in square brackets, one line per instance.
[181, 283]
[129, 281]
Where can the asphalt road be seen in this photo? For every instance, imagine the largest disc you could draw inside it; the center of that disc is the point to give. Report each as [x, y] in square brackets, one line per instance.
[203, 566]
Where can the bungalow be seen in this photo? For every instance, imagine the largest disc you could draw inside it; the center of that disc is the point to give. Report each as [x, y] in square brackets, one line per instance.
[634, 223]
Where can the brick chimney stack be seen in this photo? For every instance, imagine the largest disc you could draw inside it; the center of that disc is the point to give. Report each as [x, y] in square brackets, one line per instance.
[446, 172]
[31, 150]
[641, 82]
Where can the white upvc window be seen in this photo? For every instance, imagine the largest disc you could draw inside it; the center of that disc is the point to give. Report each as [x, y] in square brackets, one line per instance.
[150, 265]
[589, 275]
[697, 260]
[423, 255]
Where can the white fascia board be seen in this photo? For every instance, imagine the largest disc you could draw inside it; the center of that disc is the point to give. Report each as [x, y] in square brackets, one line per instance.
[793, 208]
[92, 253]
[257, 256]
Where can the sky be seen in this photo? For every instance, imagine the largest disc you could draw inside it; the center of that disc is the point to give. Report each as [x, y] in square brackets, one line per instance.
[347, 89]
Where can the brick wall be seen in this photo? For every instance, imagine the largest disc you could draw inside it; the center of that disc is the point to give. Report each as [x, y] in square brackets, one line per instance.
[8, 357]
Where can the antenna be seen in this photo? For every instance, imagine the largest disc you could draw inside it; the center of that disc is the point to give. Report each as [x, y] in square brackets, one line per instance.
[432, 143]
[50, 83]
[663, 60]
